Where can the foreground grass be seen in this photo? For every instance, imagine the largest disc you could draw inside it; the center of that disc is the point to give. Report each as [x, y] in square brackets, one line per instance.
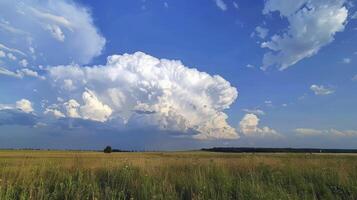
[186, 175]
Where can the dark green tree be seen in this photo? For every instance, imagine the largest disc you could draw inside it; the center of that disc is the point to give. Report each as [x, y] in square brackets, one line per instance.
[108, 149]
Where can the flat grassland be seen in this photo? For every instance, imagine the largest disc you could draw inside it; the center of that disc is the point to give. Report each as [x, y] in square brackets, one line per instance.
[176, 175]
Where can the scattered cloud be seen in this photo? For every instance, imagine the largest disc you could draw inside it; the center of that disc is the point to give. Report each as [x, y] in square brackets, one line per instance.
[7, 72]
[261, 32]
[306, 34]
[29, 72]
[344, 133]
[235, 5]
[305, 132]
[6, 107]
[68, 85]
[143, 7]
[166, 5]
[308, 132]
[23, 63]
[250, 66]
[21, 73]
[268, 103]
[11, 56]
[346, 60]
[54, 112]
[221, 5]
[12, 50]
[56, 32]
[254, 111]
[354, 15]
[302, 97]
[144, 91]
[354, 78]
[38, 30]
[321, 90]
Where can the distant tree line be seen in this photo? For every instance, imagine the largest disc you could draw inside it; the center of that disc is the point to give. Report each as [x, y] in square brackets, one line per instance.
[109, 149]
[277, 150]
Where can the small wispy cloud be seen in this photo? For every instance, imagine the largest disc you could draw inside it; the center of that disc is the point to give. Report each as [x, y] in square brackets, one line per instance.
[346, 60]
[21, 73]
[321, 90]
[221, 5]
[354, 78]
[268, 103]
[308, 132]
[7, 72]
[166, 5]
[254, 111]
[354, 15]
[235, 5]
[260, 32]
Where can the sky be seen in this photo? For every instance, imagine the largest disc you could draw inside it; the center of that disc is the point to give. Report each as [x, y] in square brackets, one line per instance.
[176, 75]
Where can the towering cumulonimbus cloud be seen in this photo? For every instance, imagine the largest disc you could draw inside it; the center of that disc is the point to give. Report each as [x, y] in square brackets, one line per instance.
[312, 25]
[142, 90]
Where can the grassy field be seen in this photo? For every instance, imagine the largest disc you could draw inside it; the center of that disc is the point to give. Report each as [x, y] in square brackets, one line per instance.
[177, 175]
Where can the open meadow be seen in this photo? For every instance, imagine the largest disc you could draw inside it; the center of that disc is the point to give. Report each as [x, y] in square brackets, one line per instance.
[176, 175]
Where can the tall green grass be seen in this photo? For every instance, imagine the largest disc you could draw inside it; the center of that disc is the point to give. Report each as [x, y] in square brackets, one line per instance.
[47, 175]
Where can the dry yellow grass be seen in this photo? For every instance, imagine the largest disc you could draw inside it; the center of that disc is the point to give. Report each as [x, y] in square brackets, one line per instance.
[176, 175]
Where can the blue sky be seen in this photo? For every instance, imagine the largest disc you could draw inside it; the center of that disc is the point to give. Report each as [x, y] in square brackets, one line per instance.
[145, 74]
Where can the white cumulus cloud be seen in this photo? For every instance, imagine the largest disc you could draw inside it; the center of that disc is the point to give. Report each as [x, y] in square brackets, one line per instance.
[54, 112]
[143, 90]
[249, 127]
[24, 105]
[93, 108]
[312, 25]
[71, 108]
